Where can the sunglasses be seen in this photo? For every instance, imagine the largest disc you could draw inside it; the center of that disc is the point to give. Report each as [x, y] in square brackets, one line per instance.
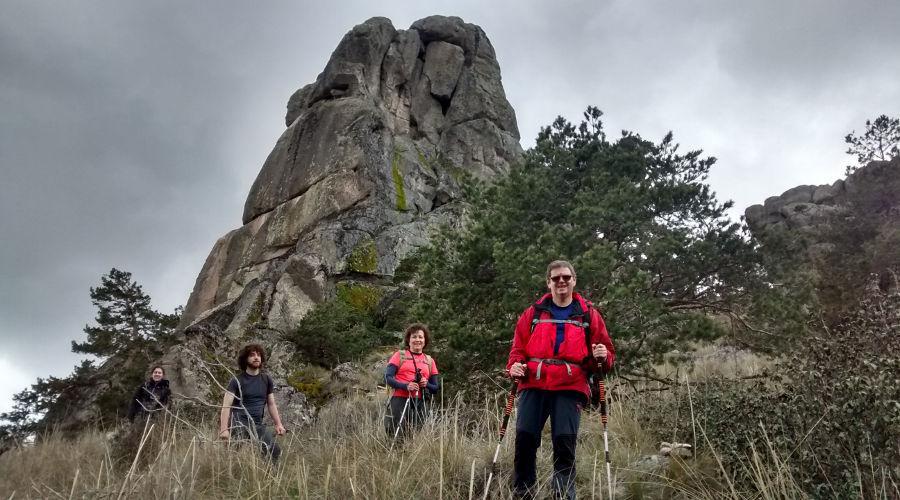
[564, 277]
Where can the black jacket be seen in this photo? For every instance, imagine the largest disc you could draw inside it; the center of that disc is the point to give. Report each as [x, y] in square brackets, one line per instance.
[149, 397]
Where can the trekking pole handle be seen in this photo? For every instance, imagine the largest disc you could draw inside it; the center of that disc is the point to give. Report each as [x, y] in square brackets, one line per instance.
[524, 370]
[510, 401]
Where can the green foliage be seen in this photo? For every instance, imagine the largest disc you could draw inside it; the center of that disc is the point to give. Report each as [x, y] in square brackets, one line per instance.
[864, 238]
[124, 317]
[881, 141]
[309, 384]
[360, 296]
[336, 331]
[128, 336]
[364, 257]
[834, 411]
[256, 313]
[785, 305]
[651, 245]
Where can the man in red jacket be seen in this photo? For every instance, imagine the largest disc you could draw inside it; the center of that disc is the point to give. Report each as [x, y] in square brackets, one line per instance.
[559, 341]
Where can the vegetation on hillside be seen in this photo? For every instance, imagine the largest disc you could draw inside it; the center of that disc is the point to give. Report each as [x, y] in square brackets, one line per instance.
[652, 247]
[346, 454]
[127, 335]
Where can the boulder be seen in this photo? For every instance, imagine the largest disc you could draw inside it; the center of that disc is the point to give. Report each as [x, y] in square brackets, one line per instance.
[824, 194]
[354, 68]
[443, 63]
[452, 30]
[298, 103]
[426, 113]
[681, 450]
[346, 372]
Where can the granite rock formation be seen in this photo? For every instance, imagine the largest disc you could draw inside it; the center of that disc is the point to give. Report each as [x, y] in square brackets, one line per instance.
[372, 157]
[809, 211]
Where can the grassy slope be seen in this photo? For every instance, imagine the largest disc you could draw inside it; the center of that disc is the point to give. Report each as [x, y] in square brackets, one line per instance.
[346, 454]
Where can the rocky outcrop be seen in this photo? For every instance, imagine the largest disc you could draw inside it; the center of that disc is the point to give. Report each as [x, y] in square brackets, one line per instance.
[805, 208]
[372, 157]
[810, 211]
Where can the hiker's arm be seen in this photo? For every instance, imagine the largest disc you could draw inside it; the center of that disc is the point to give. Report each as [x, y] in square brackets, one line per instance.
[225, 415]
[520, 340]
[135, 404]
[599, 335]
[273, 412]
[390, 377]
[434, 383]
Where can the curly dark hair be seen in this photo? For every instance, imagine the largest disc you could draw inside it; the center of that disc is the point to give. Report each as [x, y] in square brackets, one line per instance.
[247, 350]
[413, 328]
[160, 367]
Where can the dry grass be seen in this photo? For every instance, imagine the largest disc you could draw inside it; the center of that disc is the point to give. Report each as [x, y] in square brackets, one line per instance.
[714, 360]
[347, 454]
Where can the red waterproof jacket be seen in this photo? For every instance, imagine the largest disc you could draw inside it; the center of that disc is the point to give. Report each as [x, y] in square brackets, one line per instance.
[567, 370]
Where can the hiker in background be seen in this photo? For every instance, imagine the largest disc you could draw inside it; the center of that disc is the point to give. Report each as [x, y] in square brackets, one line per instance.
[559, 341]
[150, 397]
[412, 374]
[249, 394]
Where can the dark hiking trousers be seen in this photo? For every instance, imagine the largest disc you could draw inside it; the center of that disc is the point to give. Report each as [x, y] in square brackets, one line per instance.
[564, 410]
[415, 415]
[243, 430]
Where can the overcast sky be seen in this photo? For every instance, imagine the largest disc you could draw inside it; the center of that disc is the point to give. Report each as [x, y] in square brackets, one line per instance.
[131, 131]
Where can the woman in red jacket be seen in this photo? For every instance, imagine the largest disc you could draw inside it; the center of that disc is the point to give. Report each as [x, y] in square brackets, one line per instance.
[559, 341]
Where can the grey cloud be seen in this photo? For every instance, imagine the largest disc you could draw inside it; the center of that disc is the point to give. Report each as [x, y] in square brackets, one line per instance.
[130, 131]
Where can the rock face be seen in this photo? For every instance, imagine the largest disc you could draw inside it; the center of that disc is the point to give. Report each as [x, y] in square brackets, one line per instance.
[801, 208]
[809, 210]
[371, 158]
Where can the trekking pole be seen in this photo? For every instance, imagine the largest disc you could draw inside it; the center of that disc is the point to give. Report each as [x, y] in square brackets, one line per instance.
[405, 407]
[400, 423]
[510, 400]
[603, 419]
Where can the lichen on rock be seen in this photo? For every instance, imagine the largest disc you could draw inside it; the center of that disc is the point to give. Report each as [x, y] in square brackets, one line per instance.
[364, 258]
[361, 296]
[398, 182]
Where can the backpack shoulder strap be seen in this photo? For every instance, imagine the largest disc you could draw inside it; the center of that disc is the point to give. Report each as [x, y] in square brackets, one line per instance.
[536, 310]
[588, 310]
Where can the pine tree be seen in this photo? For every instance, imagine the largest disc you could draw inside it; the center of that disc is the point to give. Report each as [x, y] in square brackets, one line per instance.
[124, 317]
[880, 142]
[128, 335]
[652, 247]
